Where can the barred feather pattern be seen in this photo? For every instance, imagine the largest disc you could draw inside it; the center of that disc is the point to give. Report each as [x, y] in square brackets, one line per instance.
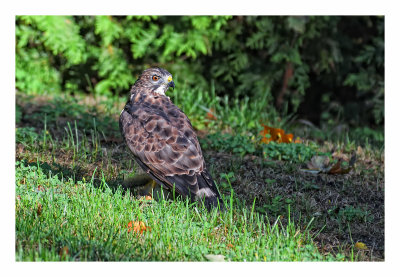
[163, 141]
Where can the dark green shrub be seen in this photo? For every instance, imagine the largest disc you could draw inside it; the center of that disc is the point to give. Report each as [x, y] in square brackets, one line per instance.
[324, 68]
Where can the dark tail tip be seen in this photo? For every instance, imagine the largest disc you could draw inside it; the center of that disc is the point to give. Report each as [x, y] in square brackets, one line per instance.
[214, 203]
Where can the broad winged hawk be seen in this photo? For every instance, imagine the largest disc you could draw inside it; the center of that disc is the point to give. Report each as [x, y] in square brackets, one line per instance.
[163, 141]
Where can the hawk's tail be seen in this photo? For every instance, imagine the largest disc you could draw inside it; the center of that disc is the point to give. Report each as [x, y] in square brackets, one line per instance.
[208, 192]
[200, 187]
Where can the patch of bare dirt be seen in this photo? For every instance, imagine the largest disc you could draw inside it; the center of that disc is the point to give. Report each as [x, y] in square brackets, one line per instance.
[345, 209]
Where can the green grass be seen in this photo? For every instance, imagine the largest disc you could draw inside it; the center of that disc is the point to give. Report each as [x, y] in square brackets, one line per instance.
[242, 145]
[54, 214]
[239, 115]
[72, 161]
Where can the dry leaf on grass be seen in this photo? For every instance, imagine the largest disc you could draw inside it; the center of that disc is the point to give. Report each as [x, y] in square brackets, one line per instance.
[39, 209]
[64, 251]
[321, 164]
[211, 114]
[137, 227]
[40, 188]
[276, 135]
[360, 246]
[145, 198]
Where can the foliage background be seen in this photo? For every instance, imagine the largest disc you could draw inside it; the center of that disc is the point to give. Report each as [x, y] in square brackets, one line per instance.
[326, 69]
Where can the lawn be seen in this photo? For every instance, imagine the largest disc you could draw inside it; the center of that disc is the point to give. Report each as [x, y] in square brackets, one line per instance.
[75, 199]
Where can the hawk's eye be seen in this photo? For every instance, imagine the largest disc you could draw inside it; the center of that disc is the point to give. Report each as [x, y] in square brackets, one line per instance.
[155, 78]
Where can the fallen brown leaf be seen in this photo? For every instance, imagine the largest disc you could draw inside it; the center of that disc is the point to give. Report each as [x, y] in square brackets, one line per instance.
[39, 209]
[320, 164]
[137, 227]
[64, 251]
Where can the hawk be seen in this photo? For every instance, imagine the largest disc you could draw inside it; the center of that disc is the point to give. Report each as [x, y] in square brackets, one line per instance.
[163, 141]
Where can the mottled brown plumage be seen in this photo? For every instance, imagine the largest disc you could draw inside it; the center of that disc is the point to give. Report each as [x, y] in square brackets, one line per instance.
[163, 141]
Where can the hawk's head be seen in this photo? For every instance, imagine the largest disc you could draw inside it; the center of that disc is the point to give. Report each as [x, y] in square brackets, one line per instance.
[156, 80]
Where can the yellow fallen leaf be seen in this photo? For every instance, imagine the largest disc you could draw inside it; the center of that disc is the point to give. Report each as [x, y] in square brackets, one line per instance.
[360, 246]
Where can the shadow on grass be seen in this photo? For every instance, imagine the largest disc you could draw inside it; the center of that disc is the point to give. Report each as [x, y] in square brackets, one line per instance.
[78, 173]
[57, 114]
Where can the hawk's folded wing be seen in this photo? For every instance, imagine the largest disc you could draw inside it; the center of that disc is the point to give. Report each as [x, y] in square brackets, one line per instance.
[165, 146]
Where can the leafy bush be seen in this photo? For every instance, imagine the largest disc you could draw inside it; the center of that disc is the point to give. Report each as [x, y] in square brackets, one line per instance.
[104, 52]
[327, 69]
[374, 136]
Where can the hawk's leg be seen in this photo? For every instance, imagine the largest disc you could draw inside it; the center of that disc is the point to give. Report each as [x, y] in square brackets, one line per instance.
[144, 185]
[148, 188]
